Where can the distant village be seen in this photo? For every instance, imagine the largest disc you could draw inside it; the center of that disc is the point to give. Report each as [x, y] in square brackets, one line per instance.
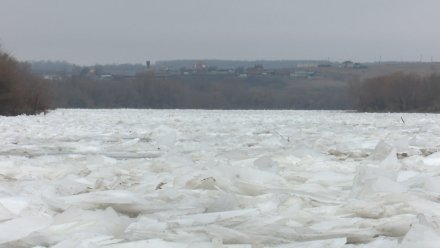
[219, 84]
[308, 70]
[299, 71]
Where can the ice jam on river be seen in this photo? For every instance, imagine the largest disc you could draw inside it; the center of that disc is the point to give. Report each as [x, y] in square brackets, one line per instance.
[174, 178]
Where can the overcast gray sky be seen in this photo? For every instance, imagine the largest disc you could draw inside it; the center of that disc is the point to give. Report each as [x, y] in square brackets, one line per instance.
[119, 31]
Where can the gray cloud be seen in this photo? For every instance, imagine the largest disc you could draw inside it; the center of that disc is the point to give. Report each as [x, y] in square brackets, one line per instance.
[106, 31]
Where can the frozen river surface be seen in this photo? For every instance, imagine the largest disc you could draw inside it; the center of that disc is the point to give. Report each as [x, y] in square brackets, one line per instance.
[168, 178]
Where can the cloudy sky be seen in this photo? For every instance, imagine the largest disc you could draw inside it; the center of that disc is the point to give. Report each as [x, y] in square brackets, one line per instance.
[119, 31]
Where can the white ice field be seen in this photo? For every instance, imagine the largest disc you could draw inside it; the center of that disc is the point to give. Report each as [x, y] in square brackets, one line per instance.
[170, 178]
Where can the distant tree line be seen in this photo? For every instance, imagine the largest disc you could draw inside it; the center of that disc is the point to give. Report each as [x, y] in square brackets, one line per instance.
[147, 91]
[398, 92]
[65, 69]
[20, 91]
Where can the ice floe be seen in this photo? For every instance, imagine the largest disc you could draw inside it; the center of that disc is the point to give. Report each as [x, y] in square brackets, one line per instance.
[237, 179]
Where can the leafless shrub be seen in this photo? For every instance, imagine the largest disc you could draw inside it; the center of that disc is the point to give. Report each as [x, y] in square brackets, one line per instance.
[398, 92]
[20, 91]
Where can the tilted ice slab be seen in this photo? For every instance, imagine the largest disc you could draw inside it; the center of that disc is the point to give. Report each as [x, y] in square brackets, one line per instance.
[170, 178]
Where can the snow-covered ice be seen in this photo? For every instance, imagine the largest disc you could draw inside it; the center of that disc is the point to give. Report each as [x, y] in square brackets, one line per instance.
[239, 179]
